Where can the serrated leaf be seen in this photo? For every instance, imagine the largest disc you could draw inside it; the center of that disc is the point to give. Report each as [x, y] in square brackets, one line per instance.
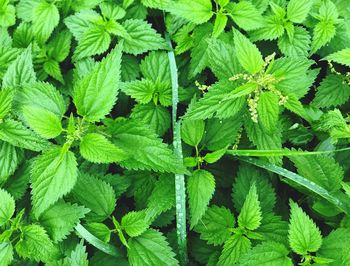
[341, 57]
[7, 207]
[6, 98]
[272, 29]
[234, 248]
[95, 94]
[155, 66]
[6, 253]
[134, 223]
[45, 20]
[146, 150]
[267, 254]
[297, 10]
[250, 215]
[196, 11]
[45, 123]
[8, 15]
[323, 33]
[143, 37]
[20, 71]
[52, 68]
[298, 46]
[219, 24]
[97, 148]
[248, 54]
[200, 188]
[18, 135]
[54, 174]
[61, 218]
[268, 111]
[35, 244]
[11, 158]
[245, 15]
[141, 90]
[304, 236]
[79, 255]
[96, 195]
[150, 248]
[100, 230]
[192, 131]
[215, 225]
[59, 46]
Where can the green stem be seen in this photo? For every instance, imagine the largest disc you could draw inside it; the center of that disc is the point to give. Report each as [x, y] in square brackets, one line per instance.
[180, 191]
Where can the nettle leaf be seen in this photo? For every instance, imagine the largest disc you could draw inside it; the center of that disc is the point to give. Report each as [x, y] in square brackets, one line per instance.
[297, 10]
[6, 98]
[155, 66]
[250, 215]
[150, 248]
[54, 174]
[35, 244]
[6, 253]
[59, 46]
[323, 33]
[215, 225]
[135, 223]
[45, 20]
[200, 189]
[11, 157]
[245, 15]
[268, 110]
[219, 24]
[333, 91]
[196, 11]
[52, 68]
[61, 218]
[96, 195]
[80, 22]
[341, 57]
[7, 207]
[247, 53]
[236, 246]
[304, 236]
[192, 131]
[299, 45]
[78, 256]
[20, 70]
[18, 135]
[143, 37]
[272, 29]
[97, 148]
[43, 122]
[267, 254]
[146, 150]
[141, 90]
[96, 93]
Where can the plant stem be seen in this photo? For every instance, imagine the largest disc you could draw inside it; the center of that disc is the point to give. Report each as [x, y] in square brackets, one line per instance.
[180, 190]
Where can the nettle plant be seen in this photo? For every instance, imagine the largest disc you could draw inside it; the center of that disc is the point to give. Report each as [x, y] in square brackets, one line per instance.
[174, 132]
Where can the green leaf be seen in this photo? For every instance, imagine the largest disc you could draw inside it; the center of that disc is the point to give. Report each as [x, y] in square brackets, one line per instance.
[18, 135]
[219, 24]
[61, 218]
[8, 15]
[11, 157]
[192, 131]
[146, 150]
[304, 236]
[143, 37]
[7, 207]
[333, 91]
[234, 248]
[96, 195]
[141, 90]
[250, 215]
[267, 254]
[97, 148]
[341, 57]
[213, 157]
[112, 11]
[196, 11]
[299, 45]
[52, 68]
[156, 117]
[268, 111]
[6, 253]
[134, 223]
[95, 94]
[59, 46]
[272, 29]
[46, 96]
[35, 244]
[150, 248]
[6, 98]
[322, 170]
[215, 225]
[155, 66]
[200, 187]
[45, 20]
[45, 123]
[78, 257]
[20, 71]
[297, 10]
[94, 41]
[245, 15]
[248, 54]
[323, 33]
[100, 230]
[54, 174]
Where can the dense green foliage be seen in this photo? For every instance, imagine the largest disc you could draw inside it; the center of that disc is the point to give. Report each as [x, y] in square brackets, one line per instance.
[109, 135]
